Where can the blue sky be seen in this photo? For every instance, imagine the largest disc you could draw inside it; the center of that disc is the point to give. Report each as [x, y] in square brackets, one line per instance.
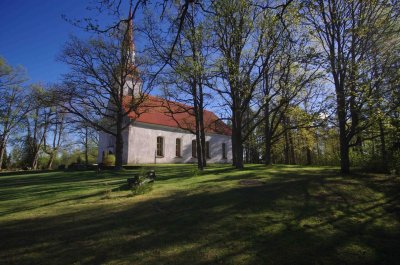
[32, 33]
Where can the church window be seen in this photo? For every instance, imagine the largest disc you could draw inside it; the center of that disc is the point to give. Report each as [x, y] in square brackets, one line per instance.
[194, 149]
[208, 149]
[160, 146]
[224, 150]
[178, 147]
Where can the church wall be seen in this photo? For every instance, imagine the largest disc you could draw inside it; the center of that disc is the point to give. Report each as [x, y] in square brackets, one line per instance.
[142, 145]
[107, 146]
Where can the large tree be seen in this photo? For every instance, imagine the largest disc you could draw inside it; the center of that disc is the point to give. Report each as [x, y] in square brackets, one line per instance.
[347, 30]
[184, 76]
[103, 85]
[14, 103]
[239, 36]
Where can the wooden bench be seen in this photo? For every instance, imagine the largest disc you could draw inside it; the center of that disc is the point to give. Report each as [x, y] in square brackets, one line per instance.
[136, 181]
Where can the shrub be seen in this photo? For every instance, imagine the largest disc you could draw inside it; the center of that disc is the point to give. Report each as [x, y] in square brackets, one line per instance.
[196, 172]
[109, 160]
[142, 189]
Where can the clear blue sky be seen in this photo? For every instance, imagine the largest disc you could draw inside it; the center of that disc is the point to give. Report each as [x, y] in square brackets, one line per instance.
[32, 33]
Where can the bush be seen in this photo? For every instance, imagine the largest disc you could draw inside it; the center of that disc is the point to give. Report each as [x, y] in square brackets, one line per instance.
[142, 189]
[109, 160]
[196, 172]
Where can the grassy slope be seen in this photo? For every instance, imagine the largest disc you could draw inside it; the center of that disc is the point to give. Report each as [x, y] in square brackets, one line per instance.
[300, 215]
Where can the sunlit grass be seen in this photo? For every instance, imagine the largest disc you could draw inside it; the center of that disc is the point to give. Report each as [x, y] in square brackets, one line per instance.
[297, 215]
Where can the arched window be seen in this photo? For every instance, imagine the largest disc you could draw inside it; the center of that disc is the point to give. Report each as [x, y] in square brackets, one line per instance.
[178, 144]
[160, 146]
[224, 150]
[208, 150]
[194, 148]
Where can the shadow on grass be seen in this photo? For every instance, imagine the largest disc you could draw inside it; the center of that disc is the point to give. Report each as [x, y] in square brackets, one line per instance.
[27, 172]
[30, 192]
[298, 219]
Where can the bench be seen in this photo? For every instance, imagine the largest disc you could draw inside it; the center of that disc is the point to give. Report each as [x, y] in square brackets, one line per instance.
[136, 180]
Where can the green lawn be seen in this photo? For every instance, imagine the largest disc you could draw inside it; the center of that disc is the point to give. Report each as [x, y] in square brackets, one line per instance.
[298, 215]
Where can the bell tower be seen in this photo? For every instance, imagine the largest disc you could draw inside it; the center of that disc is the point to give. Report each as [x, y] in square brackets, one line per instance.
[133, 82]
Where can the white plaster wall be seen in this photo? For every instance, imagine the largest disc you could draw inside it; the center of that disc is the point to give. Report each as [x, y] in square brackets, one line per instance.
[132, 86]
[142, 145]
[107, 144]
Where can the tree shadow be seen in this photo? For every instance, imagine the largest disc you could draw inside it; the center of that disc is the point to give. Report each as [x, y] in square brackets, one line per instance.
[291, 219]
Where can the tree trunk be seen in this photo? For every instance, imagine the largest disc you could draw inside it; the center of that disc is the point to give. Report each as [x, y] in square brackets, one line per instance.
[268, 151]
[51, 159]
[239, 157]
[287, 144]
[2, 148]
[237, 145]
[119, 144]
[267, 137]
[202, 129]
[199, 152]
[291, 145]
[203, 147]
[309, 157]
[237, 132]
[234, 141]
[199, 144]
[383, 145]
[86, 147]
[34, 163]
[344, 144]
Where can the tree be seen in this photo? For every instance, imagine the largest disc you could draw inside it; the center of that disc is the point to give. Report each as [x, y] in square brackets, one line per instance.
[88, 137]
[53, 138]
[37, 123]
[14, 103]
[291, 70]
[346, 31]
[104, 79]
[184, 77]
[239, 40]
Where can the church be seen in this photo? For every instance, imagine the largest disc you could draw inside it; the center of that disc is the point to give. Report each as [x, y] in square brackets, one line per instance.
[157, 135]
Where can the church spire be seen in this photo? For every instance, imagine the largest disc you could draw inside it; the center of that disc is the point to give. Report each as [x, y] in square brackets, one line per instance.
[130, 34]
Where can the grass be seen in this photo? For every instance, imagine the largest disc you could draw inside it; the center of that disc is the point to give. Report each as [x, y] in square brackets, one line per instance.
[296, 215]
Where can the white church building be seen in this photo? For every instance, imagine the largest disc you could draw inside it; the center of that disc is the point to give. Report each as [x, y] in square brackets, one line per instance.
[157, 136]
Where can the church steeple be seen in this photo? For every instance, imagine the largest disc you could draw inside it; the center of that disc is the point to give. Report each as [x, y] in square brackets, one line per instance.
[133, 83]
[130, 35]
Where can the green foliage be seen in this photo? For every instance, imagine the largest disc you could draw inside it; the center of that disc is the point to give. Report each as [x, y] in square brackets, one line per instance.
[394, 164]
[142, 189]
[367, 162]
[109, 160]
[196, 172]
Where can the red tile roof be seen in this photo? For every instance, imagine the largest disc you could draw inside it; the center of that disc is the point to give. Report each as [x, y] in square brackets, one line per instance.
[159, 111]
